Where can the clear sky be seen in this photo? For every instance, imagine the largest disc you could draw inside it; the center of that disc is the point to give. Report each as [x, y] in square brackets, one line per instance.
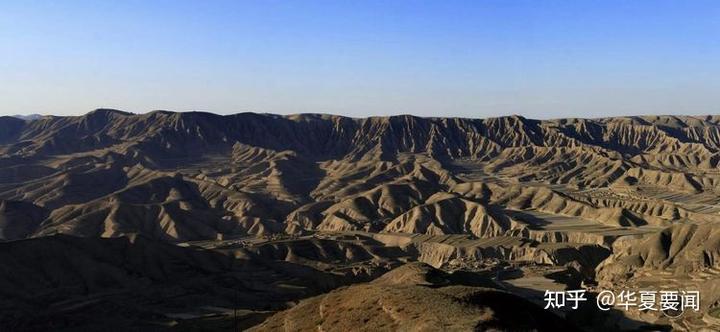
[479, 58]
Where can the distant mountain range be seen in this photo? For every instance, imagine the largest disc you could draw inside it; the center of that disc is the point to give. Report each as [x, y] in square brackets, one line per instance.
[349, 199]
[28, 117]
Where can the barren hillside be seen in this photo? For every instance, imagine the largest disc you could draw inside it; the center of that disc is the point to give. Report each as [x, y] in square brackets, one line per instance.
[189, 220]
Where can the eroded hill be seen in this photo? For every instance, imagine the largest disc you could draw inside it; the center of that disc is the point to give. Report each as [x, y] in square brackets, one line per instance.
[529, 204]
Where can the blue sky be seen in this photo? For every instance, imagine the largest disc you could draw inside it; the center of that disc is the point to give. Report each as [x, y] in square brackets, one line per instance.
[540, 59]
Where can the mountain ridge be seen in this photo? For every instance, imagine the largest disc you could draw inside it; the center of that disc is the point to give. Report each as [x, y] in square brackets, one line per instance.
[529, 204]
[392, 134]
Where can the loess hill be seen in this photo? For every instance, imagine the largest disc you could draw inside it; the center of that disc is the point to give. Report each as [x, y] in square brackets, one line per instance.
[179, 220]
